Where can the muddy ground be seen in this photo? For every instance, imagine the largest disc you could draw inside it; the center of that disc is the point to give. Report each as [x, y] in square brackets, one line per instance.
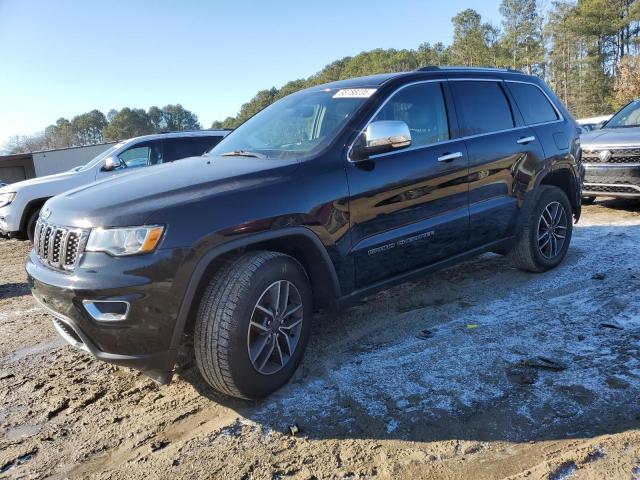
[519, 376]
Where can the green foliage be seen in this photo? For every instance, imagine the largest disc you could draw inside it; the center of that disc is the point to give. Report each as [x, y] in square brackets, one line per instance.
[472, 43]
[577, 48]
[94, 127]
[522, 34]
[87, 128]
[128, 123]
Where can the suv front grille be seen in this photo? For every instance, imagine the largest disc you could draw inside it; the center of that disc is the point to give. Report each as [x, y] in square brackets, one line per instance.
[593, 188]
[59, 247]
[618, 155]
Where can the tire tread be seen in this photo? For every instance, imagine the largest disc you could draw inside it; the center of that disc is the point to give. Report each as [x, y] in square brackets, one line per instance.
[212, 334]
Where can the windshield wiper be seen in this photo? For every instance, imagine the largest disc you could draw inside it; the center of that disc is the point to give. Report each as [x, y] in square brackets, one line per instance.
[243, 153]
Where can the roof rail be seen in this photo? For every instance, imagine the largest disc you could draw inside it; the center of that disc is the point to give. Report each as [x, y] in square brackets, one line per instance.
[435, 68]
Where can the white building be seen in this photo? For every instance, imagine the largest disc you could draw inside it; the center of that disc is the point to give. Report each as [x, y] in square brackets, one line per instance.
[22, 166]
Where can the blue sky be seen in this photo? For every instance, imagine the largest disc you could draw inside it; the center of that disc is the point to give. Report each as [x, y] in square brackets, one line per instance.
[62, 58]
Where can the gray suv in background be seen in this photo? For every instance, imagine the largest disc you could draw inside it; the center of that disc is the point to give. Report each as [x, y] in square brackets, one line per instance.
[20, 202]
[611, 156]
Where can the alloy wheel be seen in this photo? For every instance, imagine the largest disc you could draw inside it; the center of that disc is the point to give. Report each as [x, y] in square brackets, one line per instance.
[275, 326]
[552, 230]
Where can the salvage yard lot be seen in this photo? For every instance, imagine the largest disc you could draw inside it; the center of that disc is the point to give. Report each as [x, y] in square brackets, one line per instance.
[519, 376]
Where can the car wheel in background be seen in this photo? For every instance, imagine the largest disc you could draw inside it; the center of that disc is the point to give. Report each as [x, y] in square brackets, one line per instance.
[31, 225]
[546, 234]
[253, 324]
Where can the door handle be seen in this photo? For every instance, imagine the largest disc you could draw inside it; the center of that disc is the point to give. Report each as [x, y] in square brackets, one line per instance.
[525, 140]
[447, 157]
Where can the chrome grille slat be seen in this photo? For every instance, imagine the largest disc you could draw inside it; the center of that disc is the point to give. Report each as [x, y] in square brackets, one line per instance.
[51, 238]
[63, 248]
[59, 247]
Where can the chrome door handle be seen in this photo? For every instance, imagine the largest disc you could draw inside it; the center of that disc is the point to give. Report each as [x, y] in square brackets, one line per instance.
[525, 140]
[447, 157]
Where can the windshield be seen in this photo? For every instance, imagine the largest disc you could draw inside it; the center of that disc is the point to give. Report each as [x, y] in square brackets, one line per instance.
[96, 160]
[629, 116]
[299, 124]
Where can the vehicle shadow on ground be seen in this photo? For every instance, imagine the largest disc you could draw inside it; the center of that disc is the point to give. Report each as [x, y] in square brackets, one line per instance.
[11, 290]
[626, 204]
[512, 356]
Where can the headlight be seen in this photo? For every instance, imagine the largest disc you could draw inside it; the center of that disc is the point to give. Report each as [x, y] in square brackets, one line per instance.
[6, 198]
[124, 241]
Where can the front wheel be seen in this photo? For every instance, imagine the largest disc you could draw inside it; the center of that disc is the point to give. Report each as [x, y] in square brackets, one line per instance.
[253, 324]
[31, 225]
[546, 234]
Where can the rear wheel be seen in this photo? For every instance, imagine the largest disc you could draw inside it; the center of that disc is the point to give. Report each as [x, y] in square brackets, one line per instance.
[588, 200]
[31, 225]
[545, 237]
[253, 324]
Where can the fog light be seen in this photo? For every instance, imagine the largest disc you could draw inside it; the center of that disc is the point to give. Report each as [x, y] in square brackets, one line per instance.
[107, 310]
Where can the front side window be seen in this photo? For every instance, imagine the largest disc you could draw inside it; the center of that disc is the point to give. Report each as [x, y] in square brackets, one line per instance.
[533, 104]
[297, 125]
[629, 116]
[483, 106]
[98, 159]
[422, 108]
[141, 155]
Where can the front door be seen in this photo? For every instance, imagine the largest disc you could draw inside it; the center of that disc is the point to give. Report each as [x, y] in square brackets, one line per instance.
[409, 208]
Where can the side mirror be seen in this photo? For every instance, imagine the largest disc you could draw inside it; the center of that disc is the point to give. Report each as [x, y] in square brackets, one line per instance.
[110, 164]
[600, 125]
[381, 137]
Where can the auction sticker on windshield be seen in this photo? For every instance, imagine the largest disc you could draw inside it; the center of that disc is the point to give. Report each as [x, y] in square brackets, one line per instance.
[354, 93]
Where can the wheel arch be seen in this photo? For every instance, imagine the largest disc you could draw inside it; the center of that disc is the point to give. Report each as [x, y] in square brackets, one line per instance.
[29, 209]
[565, 180]
[298, 242]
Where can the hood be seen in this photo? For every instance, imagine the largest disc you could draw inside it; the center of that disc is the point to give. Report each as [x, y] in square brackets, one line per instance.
[612, 137]
[49, 185]
[132, 198]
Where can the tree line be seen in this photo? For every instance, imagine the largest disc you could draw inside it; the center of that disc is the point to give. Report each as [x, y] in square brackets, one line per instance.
[95, 127]
[587, 50]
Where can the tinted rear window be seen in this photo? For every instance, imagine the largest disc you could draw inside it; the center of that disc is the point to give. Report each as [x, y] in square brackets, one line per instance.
[533, 104]
[483, 107]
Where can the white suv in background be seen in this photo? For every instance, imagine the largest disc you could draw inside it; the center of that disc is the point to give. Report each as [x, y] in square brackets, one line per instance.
[20, 202]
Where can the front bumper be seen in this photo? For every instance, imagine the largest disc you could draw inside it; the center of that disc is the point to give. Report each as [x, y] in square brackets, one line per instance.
[143, 339]
[612, 180]
[9, 224]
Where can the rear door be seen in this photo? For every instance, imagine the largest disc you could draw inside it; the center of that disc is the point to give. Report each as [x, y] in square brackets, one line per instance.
[502, 152]
[409, 207]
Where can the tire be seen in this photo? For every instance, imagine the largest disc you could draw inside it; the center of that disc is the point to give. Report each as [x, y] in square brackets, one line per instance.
[229, 320]
[31, 225]
[527, 253]
[588, 200]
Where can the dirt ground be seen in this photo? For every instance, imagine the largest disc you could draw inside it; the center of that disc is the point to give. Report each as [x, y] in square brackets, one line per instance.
[517, 376]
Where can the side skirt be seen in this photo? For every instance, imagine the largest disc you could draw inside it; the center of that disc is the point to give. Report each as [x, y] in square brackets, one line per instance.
[357, 295]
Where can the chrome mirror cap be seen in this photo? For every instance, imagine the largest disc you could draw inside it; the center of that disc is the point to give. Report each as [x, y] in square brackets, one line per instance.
[111, 163]
[381, 137]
